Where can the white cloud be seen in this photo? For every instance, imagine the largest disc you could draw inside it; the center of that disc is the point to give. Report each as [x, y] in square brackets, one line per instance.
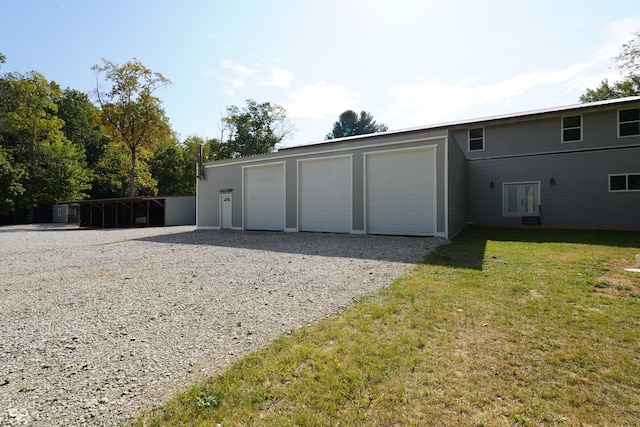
[432, 101]
[242, 76]
[435, 100]
[320, 100]
[279, 77]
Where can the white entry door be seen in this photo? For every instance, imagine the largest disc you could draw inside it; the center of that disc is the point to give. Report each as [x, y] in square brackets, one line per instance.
[225, 211]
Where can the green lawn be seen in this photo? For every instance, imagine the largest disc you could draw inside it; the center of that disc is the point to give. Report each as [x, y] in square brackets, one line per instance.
[500, 327]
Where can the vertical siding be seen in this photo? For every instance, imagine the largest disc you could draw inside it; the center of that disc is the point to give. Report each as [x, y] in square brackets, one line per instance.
[291, 196]
[441, 198]
[218, 178]
[227, 174]
[357, 203]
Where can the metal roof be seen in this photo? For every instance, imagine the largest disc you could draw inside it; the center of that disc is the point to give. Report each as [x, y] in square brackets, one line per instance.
[525, 115]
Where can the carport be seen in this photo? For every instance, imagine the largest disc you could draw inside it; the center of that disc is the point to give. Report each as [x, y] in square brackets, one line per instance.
[123, 212]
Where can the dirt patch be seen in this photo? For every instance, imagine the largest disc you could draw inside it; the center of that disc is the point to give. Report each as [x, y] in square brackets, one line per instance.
[617, 282]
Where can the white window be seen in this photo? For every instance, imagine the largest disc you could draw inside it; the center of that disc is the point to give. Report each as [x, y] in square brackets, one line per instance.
[521, 198]
[629, 122]
[624, 182]
[572, 128]
[476, 139]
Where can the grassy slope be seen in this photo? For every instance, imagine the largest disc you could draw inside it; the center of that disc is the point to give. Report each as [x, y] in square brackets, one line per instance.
[501, 327]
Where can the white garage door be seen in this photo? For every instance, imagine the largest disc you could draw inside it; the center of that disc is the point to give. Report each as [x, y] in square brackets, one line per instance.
[400, 192]
[264, 197]
[325, 195]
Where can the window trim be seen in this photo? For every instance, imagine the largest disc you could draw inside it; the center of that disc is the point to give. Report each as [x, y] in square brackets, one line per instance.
[469, 139]
[631, 121]
[563, 128]
[518, 214]
[626, 189]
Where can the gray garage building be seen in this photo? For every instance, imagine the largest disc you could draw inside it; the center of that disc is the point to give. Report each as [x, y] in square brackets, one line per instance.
[580, 162]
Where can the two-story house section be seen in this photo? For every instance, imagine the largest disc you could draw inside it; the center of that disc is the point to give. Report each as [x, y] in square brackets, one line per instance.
[572, 166]
[569, 166]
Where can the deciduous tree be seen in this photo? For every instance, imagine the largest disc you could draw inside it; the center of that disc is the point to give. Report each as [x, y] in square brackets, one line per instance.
[52, 168]
[114, 167]
[628, 62]
[131, 114]
[254, 129]
[174, 166]
[11, 188]
[82, 124]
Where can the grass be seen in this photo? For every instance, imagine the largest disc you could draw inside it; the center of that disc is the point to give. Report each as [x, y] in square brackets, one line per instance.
[501, 327]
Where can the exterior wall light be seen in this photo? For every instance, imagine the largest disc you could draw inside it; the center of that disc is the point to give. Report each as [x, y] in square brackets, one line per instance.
[491, 185]
[552, 181]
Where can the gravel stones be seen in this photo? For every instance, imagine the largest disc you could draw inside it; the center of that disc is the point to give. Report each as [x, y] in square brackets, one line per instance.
[98, 325]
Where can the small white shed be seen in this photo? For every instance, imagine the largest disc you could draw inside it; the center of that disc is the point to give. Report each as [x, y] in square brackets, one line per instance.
[66, 213]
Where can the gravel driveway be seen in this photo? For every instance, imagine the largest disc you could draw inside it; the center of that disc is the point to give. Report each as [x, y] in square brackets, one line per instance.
[98, 325]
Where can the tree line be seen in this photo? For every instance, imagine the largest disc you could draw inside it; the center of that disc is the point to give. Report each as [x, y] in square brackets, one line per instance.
[64, 145]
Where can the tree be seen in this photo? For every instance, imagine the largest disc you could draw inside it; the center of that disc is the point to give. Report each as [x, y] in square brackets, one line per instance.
[628, 87]
[628, 61]
[254, 129]
[51, 167]
[11, 188]
[82, 124]
[131, 114]
[174, 166]
[350, 124]
[114, 167]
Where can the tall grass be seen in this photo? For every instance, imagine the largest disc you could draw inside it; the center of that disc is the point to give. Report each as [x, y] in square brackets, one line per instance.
[500, 327]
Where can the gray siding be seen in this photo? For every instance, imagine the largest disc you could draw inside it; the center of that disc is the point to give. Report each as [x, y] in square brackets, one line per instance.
[544, 135]
[180, 210]
[60, 213]
[530, 149]
[227, 174]
[580, 197]
[457, 189]
[441, 198]
[208, 194]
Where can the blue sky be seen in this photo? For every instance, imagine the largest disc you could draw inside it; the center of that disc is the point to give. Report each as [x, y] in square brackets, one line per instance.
[409, 63]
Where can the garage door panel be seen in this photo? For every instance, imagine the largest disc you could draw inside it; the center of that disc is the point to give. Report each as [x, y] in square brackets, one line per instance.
[400, 192]
[264, 197]
[325, 195]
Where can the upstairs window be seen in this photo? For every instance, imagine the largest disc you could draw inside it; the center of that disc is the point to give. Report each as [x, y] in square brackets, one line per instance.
[629, 122]
[624, 182]
[572, 129]
[476, 139]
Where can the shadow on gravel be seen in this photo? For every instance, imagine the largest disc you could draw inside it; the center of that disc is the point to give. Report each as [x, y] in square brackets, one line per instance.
[380, 248]
[38, 227]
